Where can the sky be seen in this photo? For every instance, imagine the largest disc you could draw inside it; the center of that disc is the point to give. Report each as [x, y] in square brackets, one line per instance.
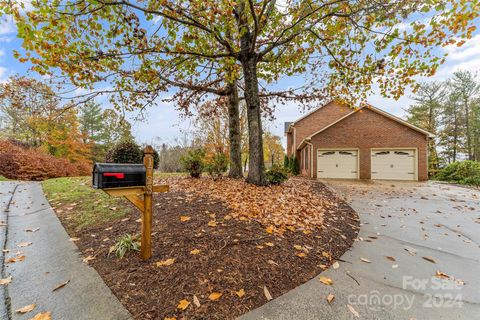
[164, 123]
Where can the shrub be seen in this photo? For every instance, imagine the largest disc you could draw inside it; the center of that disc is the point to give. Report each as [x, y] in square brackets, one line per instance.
[125, 152]
[463, 172]
[294, 167]
[125, 244]
[286, 162]
[18, 162]
[193, 162]
[216, 164]
[276, 175]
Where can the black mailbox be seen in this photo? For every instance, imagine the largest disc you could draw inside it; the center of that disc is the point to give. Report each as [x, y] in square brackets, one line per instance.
[117, 175]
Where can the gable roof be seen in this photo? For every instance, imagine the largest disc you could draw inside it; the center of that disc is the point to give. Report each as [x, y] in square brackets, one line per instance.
[372, 108]
[289, 125]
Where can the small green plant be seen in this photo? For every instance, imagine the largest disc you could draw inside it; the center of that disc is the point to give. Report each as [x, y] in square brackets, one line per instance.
[216, 164]
[124, 244]
[276, 175]
[193, 162]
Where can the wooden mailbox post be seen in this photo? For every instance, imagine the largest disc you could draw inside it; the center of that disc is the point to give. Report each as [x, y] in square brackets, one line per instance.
[141, 197]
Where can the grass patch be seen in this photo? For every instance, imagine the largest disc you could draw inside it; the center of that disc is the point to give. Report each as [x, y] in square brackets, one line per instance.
[83, 206]
[169, 174]
[2, 178]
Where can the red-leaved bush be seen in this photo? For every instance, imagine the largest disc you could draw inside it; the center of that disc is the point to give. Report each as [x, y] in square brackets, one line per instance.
[18, 162]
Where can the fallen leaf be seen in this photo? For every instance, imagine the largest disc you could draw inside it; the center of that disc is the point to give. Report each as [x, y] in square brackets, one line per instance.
[330, 298]
[73, 239]
[390, 258]
[24, 244]
[212, 223]
[26, 309]
[196, 302]
[298, 247]
[269, 229]
[16, 259]
[184, 218]
[32, 230]
[88, 259]
[167, 262]
[326, 280]
[267, 293]
[269, 244]
[272, 262]
[214, 296]
[301, 254]
[195, 251]
[442, 275]
[183, 304]
[336, 265]
[326, 254]
[6, 280]
[365, 260]
[240, 293]
[43, 316]
[61, 285]
[353, 311]
[429, 259]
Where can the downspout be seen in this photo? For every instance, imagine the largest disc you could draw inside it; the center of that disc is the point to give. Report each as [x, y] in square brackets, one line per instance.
[294, 144]
[311, 159]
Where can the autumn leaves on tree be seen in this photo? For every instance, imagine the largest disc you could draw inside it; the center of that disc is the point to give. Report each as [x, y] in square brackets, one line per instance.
[205, 51]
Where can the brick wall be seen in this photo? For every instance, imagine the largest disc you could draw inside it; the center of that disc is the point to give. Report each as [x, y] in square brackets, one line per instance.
[319, 119]
[367, 129]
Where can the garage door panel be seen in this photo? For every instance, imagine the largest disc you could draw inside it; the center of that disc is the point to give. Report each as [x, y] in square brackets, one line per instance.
[393, 164]
[340, 164]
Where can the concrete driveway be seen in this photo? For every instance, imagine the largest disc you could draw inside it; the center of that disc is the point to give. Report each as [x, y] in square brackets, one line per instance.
[30, 228]
[410, 232]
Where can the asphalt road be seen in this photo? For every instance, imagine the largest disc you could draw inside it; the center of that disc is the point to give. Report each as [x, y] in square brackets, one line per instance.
[404, 221]
[50, 260]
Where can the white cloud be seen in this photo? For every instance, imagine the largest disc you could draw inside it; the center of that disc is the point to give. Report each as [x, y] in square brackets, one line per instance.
[7, 26]
[471, 48]
[3, 74]
[2, 53]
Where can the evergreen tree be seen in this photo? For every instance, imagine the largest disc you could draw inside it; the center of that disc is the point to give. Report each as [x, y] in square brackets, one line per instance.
[466, 89]
[91, 122]
[425, 113]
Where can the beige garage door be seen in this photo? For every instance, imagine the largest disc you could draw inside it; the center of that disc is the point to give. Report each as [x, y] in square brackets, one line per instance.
[393, 164]
[339, 164]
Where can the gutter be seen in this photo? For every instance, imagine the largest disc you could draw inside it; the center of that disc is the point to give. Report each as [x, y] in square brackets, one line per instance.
[311, 159]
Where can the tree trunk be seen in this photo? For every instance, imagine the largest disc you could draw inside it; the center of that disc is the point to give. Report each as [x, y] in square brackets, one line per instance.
[467, 129]
[248, 58]
[234, 132]
[256, 166]
[455, 135]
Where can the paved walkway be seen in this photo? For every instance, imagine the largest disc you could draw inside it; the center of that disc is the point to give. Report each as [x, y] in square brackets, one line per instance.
[406, 221]
[50, 260]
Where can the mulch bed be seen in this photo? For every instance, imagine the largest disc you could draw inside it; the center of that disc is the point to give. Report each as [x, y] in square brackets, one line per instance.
[234, 254]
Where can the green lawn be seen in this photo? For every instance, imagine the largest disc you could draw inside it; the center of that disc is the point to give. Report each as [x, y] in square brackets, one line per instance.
[2, 178]
[74, 199]
[85, 206]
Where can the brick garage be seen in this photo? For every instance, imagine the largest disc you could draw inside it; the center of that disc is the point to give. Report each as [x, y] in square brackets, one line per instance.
[335, 141]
